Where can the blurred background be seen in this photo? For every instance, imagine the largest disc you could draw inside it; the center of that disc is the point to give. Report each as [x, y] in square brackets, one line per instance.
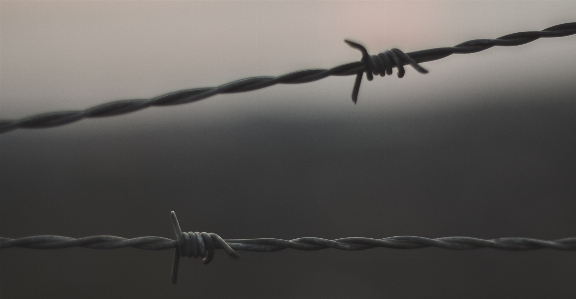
[483, 146]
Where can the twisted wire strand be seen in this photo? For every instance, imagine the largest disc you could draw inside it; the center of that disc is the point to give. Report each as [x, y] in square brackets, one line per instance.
[369, 64]
[306, 243]
[195, 244]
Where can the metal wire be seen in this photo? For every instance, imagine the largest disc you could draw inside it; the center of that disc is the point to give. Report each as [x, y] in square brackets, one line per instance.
[369, 64]
[204, 244]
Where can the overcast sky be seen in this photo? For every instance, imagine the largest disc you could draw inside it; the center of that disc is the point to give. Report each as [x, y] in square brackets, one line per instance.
[71, 55]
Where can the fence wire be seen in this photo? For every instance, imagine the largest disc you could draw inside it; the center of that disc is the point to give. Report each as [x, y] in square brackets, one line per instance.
[380, 64]
[201, 244]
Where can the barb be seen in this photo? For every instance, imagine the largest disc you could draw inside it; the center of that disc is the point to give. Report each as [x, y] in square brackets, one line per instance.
[377, 64]
[381, 64]
[204, 244]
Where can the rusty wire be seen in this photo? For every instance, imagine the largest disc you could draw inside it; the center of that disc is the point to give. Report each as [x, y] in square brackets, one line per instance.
[380, 64]
[193, 244]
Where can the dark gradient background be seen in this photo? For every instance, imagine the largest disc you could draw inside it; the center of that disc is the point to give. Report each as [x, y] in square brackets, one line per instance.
[483, 146]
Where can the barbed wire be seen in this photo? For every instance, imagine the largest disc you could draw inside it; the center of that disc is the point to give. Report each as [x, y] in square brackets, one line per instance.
[201, 244]
[380, 64]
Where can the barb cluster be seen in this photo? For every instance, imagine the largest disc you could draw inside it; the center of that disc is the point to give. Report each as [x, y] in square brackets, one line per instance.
[368, 64]
[381, 64]
[196, 244]
[204, 244]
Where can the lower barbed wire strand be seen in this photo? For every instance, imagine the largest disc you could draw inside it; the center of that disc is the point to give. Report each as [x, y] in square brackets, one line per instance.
[94, 242]
[272, 244]
[202, 244]
[193, 244]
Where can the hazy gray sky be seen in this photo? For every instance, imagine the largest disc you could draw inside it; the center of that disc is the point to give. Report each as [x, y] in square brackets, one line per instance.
[66, 55]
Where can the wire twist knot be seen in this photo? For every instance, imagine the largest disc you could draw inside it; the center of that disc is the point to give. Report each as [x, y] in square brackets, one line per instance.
[381, 64]
[195, 244]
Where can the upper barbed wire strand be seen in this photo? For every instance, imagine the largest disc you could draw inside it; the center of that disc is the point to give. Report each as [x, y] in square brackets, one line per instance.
[52, 119]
